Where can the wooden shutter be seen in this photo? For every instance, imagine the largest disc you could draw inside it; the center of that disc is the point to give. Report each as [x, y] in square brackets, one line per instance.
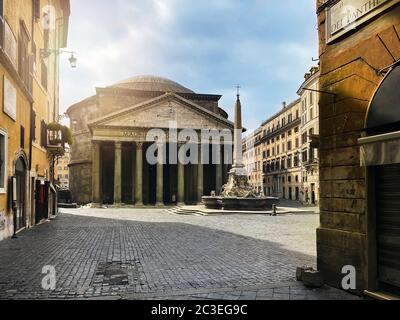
[22, 137]
[33, 126]
[36, 9]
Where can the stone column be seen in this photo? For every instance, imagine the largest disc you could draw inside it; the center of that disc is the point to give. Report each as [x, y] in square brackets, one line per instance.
[117, 173]
[96, 180]
[160, 178]
[139, 174]
[200, 175]
[181, 178]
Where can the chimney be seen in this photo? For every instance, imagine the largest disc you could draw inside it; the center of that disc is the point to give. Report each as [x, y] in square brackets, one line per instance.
[284, 104]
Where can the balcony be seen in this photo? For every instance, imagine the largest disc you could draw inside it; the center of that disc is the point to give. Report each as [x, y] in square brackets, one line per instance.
[57, 136]
[55, 142]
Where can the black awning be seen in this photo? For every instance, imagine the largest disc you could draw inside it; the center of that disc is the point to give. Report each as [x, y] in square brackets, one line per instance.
[384, 109]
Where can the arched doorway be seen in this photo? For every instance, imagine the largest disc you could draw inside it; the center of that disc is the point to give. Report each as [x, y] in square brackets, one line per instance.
[380, 154]
[20, 189]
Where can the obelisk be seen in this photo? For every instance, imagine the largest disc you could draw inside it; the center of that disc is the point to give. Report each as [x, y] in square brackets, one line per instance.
[238, 166]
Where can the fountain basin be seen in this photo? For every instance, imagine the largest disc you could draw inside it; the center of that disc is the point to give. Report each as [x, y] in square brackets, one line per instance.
[240, 204]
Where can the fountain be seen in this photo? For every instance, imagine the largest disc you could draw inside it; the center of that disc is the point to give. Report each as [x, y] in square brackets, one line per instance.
[237, 194]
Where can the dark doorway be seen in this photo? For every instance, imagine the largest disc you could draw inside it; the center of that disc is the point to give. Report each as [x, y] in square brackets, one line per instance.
[127, 174]
[170, 180]
[210, 173]
[20, 174]
[313, 199]
[297, 194]
[149, 180]
[107, 173]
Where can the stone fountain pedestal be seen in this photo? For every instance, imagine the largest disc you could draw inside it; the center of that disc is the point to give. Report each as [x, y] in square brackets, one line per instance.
[237, 194]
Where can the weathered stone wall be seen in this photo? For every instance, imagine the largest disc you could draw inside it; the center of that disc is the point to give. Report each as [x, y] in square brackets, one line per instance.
[348, 68]
[81, 182]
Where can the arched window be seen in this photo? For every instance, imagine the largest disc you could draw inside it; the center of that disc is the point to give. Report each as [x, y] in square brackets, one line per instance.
[384, 111]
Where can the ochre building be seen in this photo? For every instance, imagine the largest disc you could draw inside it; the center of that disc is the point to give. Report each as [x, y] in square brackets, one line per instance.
[31, 33]
[108, 158]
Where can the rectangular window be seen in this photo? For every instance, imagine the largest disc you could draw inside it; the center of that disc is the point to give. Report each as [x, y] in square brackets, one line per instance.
[305, 158]
[289, 145]
[1, 23]
[311, 98]
[23, 59]
[44, 75]
[3, 161]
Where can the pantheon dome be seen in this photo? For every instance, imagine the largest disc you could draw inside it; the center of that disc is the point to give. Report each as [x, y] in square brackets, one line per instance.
[152, 83]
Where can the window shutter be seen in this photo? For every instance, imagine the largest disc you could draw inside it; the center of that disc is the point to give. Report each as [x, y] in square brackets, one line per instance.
[43, 134]
[33, 126]
[22, 136]
[36, 9]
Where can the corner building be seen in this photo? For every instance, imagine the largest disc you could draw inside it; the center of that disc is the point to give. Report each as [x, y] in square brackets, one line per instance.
[360, 143]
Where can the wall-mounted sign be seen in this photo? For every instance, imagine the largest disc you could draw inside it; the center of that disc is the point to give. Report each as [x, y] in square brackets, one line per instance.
[346, 15]
[10, 99]
[10, 44]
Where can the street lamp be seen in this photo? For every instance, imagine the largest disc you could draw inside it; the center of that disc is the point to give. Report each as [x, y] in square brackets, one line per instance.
[73, 61]
[45, 53]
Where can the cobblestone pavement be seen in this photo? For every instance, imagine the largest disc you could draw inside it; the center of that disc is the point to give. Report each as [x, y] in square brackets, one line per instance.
[149, 254]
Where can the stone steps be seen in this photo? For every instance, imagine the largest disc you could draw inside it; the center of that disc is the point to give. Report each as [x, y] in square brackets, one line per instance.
[184, 211]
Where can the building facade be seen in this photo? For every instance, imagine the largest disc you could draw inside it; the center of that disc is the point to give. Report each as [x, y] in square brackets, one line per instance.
[109, 163]
[29, 91]
[273, 156]
[359, 143]
[309, 94]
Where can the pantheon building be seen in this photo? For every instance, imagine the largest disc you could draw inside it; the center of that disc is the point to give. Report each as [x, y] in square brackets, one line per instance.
[110, 131]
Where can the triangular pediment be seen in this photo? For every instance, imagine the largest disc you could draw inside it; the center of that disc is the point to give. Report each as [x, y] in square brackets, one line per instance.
[160, 112]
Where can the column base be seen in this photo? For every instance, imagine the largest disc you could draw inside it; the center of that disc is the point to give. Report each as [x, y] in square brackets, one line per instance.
[180, 204]
[96, 205]
[160, 204]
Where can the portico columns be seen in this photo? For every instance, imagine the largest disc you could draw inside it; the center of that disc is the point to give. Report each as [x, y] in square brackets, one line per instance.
[200, 175]
[96, 198]
[117, 173]
[160, 177]
[181, 176]
[139, 174]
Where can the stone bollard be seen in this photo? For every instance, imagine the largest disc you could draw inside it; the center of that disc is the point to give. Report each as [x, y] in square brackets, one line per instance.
[300, 272]
[274, 210]
[313, 279]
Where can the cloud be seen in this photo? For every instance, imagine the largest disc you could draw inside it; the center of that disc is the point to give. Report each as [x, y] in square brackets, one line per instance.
[264, 45]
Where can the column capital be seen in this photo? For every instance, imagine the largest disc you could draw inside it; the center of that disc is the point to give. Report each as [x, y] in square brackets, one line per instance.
[118, 144]
[139, 144]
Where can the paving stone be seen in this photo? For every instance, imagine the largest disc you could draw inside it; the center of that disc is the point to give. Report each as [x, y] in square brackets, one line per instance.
[132, 253]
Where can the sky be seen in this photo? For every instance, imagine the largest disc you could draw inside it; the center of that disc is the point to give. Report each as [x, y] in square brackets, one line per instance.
[265, 46]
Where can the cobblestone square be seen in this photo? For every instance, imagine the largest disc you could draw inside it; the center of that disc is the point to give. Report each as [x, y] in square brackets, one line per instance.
[151, 254]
